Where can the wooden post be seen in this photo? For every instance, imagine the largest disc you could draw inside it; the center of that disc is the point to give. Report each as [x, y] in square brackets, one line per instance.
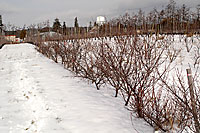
[192, 98]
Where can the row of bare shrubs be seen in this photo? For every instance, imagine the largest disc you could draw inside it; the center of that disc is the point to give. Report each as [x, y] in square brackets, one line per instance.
[137, 67]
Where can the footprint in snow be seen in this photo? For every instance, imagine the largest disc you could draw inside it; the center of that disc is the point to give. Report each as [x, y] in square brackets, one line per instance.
[58, 119]
[27, 97]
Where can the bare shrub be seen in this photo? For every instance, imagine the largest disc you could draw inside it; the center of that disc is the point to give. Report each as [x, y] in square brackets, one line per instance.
[137, 67]
[186, 99]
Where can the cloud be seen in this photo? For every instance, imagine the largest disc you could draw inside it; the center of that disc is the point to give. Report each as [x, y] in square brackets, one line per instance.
[27, 12]
[135, 5]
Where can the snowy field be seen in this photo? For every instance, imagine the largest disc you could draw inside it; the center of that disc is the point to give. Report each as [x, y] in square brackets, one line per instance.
[40, 96]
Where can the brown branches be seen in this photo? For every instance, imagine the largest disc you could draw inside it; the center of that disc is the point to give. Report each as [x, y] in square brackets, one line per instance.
[186, 99]
[137, 67]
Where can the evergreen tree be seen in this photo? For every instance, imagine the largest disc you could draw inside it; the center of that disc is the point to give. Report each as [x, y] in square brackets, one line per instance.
[64, 28]
[198, 16]
[95, 24]
[76, 22]
[90, 25]
[76, 26]
[56, 25]
[1, 24]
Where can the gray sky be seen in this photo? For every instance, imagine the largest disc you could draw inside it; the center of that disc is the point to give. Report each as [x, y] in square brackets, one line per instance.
[20, 12]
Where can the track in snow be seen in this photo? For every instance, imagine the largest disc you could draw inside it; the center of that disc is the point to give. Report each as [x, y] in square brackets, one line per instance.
[37, 95]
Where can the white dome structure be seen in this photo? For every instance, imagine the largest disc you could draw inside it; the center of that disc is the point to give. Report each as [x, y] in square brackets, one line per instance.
[101, 20]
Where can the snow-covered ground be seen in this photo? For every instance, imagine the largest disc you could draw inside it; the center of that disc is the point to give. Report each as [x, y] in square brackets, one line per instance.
[39, 96]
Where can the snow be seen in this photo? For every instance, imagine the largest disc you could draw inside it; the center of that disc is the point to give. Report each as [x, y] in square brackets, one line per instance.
[40, 96]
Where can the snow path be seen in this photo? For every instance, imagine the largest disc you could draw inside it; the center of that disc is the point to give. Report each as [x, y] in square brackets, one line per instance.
[39, 96]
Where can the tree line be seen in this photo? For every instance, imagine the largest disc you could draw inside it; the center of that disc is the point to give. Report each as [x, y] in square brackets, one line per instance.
[172, 19]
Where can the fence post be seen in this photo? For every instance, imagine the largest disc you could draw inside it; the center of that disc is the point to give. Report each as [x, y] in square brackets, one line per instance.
[192, 98]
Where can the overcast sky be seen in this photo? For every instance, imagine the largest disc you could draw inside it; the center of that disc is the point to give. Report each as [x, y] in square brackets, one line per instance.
[20, 12]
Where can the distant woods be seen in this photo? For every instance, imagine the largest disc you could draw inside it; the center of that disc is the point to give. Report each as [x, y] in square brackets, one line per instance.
[172, 19]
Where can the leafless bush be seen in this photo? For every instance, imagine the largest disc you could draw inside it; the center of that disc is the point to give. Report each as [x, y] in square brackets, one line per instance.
[89, 63]
[197, 52]
[188, 41]
[129, 65]
[137, 67]
[160, 110]
[186, 98]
